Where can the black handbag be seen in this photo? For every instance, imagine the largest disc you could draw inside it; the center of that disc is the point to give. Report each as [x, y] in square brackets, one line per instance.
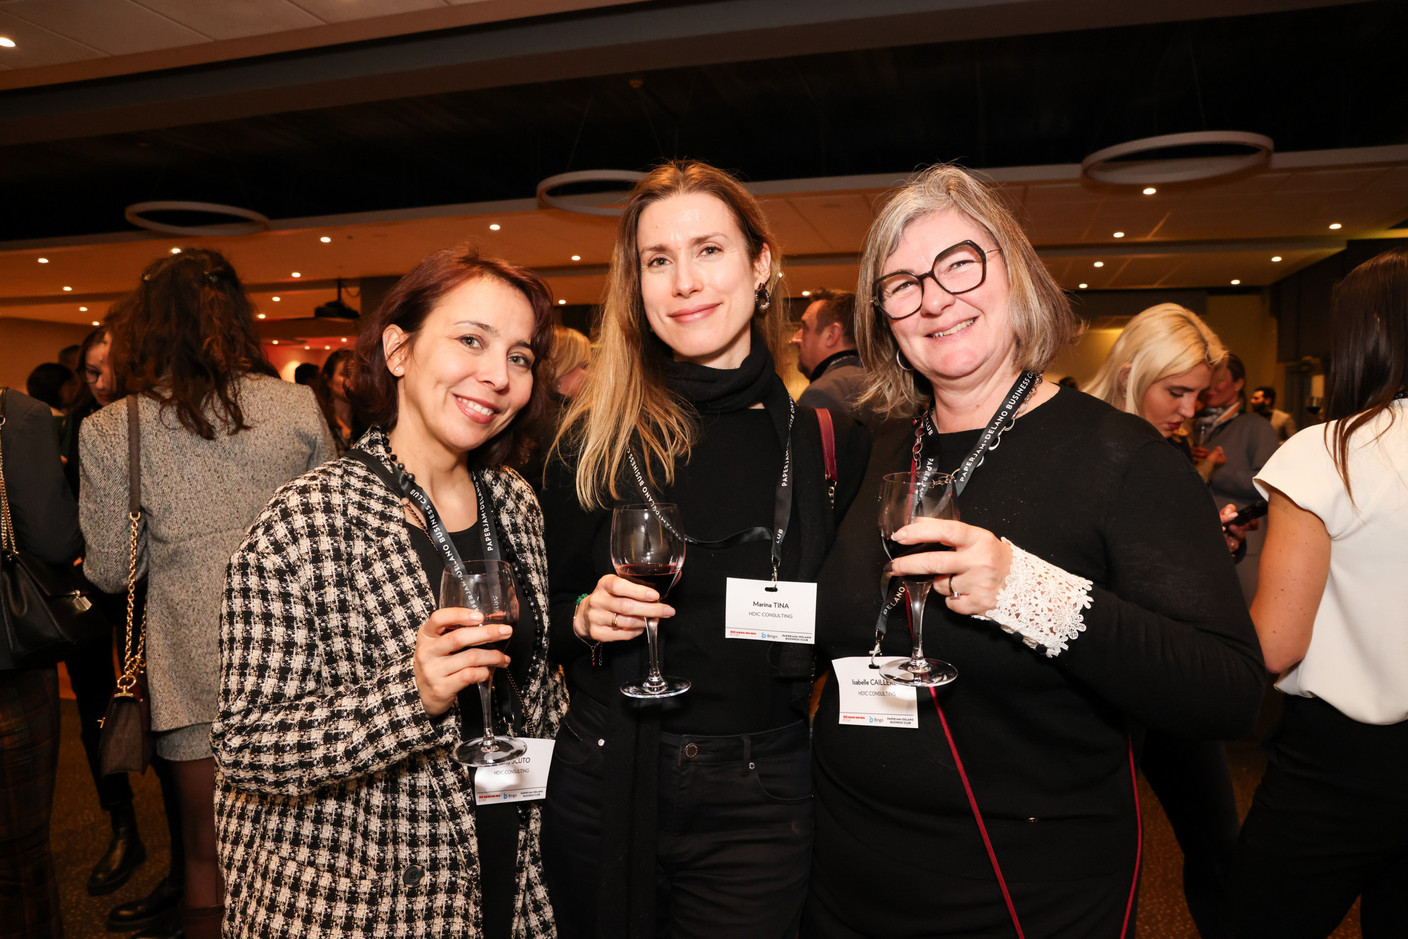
[47, 608]
[126, 742]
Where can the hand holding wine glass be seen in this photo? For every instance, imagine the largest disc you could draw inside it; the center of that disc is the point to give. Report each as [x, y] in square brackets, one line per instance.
[905, 497]
[647, 548]
[487, 587]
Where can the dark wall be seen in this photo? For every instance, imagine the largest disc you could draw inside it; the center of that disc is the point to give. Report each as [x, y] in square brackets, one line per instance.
[1301, 302]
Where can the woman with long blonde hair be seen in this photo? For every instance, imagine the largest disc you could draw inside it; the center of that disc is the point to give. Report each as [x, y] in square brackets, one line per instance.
[691, 816]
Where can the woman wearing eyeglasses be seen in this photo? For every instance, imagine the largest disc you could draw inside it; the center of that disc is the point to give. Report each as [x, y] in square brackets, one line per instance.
[1086, 589]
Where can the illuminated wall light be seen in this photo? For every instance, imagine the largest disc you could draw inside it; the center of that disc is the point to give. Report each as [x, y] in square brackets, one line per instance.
[296, 274]
[1119, 234]
[1099, 263]
[42, 260]
[325, 240]
[7, 42]
[1083, 286]
[1275, 258]
[576, 257]
[1149, 190]
[68, 290]
[1335, 226]
[1235, 282]
[494, 227]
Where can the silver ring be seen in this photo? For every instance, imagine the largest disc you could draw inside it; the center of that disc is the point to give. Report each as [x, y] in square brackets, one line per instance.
[951, 591]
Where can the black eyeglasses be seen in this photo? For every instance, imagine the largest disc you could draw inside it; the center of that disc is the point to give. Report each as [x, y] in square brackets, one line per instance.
[90, 375]
[957, 269]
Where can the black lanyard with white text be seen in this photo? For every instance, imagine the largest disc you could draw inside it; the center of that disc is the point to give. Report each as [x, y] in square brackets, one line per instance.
[782, 500]
[957, 480]
[436, 528]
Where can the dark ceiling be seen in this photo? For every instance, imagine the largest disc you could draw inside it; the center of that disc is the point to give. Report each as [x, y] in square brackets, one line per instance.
[1312, 79]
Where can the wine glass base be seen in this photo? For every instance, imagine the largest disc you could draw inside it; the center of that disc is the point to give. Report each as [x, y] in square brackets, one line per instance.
[667, 687]
[920, 673]
[501, 750]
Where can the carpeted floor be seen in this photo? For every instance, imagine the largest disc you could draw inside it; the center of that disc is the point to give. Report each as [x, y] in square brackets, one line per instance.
[80, 834]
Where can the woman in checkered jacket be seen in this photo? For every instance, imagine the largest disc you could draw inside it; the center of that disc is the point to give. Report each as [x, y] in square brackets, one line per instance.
[340, 810]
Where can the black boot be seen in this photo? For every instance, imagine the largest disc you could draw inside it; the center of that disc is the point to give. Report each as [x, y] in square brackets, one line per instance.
[124, 855]
[159, 907]
[167, 926]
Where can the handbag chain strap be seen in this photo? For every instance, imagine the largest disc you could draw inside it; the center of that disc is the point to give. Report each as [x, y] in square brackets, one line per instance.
[7, 528]
[134, 661]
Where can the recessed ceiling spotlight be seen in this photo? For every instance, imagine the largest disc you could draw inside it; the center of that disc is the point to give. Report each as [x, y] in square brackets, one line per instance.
[325, 240]
[96, 323]
[1149, 190]
[1099, 263]
[1235, 282]
[9, 43]
[344, 338]
[1335, 226]
[261, 316]
[494, 227]
[562, 303]
[296, 274]
[327, 348]
[83, 309]
[68, 290]
[275, 342]
[1275, 258]
[307, 348]
[1119, 234]
[576, 257]
[806, 293]
[175, 250]
[277, 299]
[1083, 286]
[42, 260]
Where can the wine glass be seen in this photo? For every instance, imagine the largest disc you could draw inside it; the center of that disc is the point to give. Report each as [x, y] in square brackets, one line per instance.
[488, 587]
[903, 498]
[647, 547]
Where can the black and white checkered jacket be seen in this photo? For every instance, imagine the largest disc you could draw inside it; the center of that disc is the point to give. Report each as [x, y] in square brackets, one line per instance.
[339, 810]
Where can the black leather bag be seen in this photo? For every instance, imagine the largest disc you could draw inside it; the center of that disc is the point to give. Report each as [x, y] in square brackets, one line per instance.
[126, 742]
[47, 609]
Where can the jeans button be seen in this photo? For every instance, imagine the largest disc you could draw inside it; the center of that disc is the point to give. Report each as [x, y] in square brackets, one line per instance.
[412, 876]
[691, 750]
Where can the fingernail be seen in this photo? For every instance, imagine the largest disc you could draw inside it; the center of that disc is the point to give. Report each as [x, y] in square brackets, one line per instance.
[505, 630]
[901, 536]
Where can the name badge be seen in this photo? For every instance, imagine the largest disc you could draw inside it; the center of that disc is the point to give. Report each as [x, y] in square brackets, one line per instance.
[784, 611]
[871, 701]
[520, 780]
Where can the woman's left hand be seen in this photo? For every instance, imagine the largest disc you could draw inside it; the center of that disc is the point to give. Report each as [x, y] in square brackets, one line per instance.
[1236, 535]
[970, 576]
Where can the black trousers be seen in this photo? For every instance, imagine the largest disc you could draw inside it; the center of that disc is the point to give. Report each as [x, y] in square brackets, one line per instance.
[1194, 786]
[734, 830]
[1329, 823]
[94, 678]
[29, 758]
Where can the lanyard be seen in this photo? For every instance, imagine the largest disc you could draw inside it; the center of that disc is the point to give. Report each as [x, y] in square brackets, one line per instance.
[958, 479]
[782, 500]
[436, 528]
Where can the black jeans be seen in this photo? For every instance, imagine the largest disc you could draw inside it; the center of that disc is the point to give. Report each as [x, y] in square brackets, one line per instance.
[734, 832]
[1329, 822]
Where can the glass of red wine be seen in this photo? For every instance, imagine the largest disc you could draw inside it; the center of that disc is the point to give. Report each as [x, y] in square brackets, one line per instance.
[647, 547]
[903, 498]
[489, 588]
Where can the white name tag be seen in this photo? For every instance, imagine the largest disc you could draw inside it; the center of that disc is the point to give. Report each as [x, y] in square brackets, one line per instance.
[520, 780]
[870, 700]
[784, 611]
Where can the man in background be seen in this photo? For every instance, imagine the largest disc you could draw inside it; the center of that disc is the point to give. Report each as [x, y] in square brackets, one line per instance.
[826, 354]
[1263, 402]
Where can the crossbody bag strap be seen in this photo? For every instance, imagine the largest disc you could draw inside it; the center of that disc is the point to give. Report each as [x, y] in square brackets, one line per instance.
[7, 527]
[828, 452]
[134, 648]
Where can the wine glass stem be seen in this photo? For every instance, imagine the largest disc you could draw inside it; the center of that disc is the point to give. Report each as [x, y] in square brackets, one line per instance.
[652, 638]
[917, 589]
[486, 704]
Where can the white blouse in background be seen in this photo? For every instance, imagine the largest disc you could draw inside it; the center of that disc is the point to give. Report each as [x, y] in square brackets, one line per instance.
[1358, 654]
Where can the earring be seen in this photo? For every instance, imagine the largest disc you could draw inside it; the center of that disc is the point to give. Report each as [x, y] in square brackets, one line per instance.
[762, 298]
[899, 360]
[397, 370]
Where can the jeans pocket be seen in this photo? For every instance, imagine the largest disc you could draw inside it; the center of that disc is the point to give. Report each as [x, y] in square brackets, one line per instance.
[576, 745]
[784, 778]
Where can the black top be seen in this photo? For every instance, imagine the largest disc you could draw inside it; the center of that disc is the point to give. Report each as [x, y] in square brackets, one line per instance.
[1168, 644]
[728, 485]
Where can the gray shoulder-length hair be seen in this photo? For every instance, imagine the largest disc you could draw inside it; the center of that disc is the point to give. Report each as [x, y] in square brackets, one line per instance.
[1038, 309]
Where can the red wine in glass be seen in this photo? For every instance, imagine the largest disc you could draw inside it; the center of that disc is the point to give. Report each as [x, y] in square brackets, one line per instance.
[489, 588]
[647, 547]
[903, 498]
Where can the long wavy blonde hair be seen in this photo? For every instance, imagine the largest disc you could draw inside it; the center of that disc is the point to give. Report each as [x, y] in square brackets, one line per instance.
[625, 400]
[1164, 340]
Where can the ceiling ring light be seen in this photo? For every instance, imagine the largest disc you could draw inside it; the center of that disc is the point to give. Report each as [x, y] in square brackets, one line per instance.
[1101, 167]
[546, 187]
[255, 223]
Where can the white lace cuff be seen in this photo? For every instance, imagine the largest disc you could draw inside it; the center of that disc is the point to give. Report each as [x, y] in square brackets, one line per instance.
[1040, 602]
